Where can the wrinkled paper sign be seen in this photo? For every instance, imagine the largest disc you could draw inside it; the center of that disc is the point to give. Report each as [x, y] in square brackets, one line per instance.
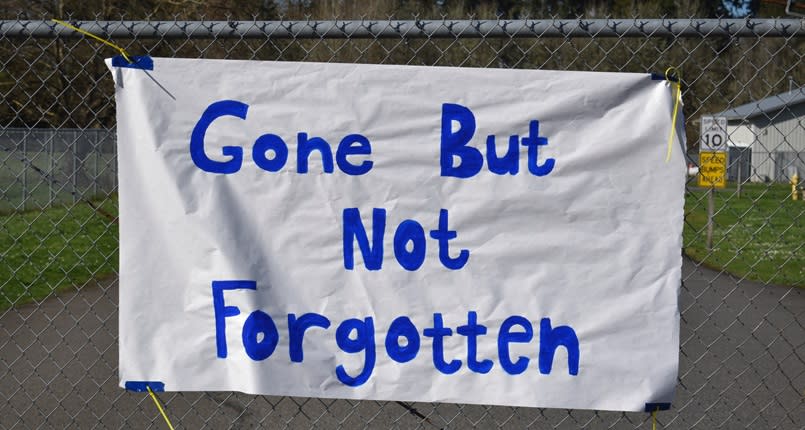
[506, 237]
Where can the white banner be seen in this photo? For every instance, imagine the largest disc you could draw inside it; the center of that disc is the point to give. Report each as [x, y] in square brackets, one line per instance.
[507, 237]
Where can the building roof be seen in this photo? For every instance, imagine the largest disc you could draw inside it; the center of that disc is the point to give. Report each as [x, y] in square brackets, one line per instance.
[765, 106]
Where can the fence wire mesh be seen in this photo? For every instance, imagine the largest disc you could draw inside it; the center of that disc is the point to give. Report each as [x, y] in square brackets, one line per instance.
[742, 356]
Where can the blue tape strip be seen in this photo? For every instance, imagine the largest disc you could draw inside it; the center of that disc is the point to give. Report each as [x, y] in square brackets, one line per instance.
[661, 77]
[142, 386]
[651, 407]
[143, 62]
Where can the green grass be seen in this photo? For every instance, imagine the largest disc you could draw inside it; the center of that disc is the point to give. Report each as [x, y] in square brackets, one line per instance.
[759, 236]
[43, 252]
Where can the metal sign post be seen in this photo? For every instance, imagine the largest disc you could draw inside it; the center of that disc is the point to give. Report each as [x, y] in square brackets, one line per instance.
[712, 163]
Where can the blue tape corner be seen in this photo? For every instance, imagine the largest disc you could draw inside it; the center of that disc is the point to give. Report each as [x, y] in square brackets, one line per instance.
[143, 62]
[651, 407]
[660, 77]
[142, 386]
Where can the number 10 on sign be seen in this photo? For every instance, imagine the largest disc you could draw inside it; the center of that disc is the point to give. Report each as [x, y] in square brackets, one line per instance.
[714, 134]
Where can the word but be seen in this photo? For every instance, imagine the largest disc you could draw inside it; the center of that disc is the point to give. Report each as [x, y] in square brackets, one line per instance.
[455, 145]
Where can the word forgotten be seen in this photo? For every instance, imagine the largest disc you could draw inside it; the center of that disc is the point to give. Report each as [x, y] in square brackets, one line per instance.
[260, 338]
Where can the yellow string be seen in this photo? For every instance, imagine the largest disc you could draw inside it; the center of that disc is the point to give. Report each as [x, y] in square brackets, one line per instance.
[99, 39]
[677, 99]
[654, 420]
[159, 406]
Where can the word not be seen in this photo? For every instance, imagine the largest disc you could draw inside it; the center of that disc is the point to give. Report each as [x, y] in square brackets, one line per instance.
[353, 144]
[455, 144]
[260, 338]
[409, 231]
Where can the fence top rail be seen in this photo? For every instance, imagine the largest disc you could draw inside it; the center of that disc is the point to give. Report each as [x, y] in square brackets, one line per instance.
[444, 28]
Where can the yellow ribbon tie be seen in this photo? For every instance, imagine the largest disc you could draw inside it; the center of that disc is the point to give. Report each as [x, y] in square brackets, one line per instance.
[99, 39]
[159, 406]
[677, 98]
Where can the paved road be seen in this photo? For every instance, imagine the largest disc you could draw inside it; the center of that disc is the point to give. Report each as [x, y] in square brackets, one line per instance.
[742, 365]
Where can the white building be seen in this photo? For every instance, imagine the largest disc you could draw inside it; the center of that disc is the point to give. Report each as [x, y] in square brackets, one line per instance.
[773, 129]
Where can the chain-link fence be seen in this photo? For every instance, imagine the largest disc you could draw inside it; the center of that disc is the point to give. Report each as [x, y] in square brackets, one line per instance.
[48, 166]
[742, 356]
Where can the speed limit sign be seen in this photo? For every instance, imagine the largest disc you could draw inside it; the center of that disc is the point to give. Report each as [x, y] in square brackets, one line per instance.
[714, 134]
